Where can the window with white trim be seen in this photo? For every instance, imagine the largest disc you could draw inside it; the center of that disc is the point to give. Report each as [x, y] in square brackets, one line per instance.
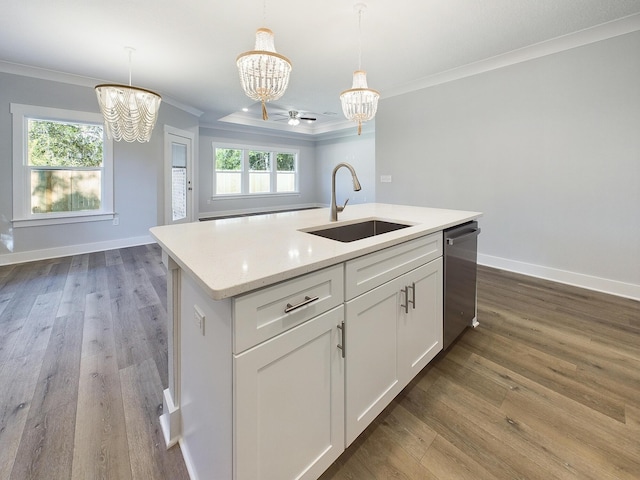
[62, 166]
[251, 170]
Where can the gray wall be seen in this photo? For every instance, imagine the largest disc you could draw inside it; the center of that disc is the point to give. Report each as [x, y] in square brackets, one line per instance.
[548, 149]
[306, 166]
[359, 151]
[138, 171]
[316, 162]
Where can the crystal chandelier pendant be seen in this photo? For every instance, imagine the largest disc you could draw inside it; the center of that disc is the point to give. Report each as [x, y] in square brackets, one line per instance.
[360, 102]
[264, 74]
[130, 113]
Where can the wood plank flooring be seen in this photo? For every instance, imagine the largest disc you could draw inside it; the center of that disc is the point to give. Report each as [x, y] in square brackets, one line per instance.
[83, 363]
[547, 387]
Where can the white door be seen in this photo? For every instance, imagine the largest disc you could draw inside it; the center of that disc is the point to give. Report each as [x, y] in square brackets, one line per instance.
[178, 155]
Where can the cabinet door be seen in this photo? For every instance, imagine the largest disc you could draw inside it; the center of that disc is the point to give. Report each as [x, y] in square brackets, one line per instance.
[387, 344]
[420, 329]
[289, 403]
[372, 376]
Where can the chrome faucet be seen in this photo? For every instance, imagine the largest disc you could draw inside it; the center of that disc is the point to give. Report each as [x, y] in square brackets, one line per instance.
[335, 209]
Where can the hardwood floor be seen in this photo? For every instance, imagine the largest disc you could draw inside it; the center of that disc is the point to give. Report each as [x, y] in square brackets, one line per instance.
[83, 363]
[548, 386]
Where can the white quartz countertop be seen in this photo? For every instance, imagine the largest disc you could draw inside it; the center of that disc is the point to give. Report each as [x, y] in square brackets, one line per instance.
[232, 256]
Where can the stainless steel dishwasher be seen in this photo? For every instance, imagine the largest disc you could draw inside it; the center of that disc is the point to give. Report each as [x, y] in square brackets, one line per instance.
[460, 277]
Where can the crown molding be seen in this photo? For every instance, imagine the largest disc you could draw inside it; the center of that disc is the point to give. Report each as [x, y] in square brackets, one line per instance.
[580, 38]
[341, 129]
[78, 80]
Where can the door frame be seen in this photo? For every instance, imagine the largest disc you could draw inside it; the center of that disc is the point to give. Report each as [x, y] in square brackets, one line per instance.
[170, 132]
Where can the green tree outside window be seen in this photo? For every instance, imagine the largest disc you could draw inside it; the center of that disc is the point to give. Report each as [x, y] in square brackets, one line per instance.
[65, 161]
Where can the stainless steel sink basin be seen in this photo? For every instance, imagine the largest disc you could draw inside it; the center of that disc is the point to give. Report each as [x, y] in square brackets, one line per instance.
[358, 231]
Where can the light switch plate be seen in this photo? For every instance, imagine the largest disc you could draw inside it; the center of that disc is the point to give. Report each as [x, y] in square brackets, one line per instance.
[385, 178]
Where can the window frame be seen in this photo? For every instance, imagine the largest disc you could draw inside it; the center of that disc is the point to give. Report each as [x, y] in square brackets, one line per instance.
[245, 172]
[22, 215]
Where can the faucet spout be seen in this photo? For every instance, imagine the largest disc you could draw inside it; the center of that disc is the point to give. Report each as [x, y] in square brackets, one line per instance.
[335, 208]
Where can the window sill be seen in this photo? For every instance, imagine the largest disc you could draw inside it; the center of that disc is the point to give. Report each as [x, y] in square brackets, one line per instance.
[245, 196]
[62, 219]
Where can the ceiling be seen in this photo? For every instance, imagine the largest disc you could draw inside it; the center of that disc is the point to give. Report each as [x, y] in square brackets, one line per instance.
[186, 51]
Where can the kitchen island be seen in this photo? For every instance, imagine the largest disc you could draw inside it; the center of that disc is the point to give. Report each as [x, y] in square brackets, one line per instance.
[284, 345]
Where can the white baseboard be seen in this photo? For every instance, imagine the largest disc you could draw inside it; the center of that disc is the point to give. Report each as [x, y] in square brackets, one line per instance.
[613, 287]
[32, 255]
[170, 420]
[186, 456]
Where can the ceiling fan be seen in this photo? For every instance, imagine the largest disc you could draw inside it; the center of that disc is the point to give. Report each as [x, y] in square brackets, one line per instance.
[294, 117]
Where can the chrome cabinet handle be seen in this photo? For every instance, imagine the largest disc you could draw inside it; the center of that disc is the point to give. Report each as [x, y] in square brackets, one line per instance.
[307, 300]
[341, 345]
[405, 290]
[413, 295]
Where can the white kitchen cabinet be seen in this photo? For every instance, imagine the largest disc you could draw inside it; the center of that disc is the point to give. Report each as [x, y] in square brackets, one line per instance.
[371, 355]
[420, 332]
[276, 382]
[275, 409]
[267, 312]
[289, 402]
[392, 332]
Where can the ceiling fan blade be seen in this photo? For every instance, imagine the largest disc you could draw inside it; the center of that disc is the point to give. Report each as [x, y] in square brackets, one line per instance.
[310, 119]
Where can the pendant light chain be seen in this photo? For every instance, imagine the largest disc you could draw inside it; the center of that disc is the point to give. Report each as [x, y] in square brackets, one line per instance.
[360, 38]
[130, 54]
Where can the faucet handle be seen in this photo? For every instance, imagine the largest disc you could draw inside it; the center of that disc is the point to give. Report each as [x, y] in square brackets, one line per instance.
[341, 208]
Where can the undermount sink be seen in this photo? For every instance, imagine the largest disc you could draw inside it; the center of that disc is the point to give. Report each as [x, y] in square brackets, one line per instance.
[358, 231]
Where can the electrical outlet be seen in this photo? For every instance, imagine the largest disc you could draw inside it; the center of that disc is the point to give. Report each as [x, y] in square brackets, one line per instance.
[116, 220]
[199, 318]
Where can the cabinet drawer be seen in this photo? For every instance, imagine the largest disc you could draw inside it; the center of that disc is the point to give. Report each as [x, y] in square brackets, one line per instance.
[267, 312]
[370, 271]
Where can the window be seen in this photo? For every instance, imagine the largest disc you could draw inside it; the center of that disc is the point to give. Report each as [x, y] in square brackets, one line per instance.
[62, 166]
[250, 170]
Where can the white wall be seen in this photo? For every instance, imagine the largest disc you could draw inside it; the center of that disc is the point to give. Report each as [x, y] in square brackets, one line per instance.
[359, 151]
[548, 149]
[138, 177]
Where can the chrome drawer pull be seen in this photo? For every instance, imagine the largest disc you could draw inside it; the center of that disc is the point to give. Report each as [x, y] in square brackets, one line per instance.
[341, 346]
[473, 233]
[307, 300]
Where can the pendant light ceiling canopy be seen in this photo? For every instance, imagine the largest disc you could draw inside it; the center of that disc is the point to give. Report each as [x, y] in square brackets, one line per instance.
[360, 102]
[130, 113]
[264, 74]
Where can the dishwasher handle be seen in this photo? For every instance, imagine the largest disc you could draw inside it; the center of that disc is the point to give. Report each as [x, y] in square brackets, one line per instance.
[474, 233]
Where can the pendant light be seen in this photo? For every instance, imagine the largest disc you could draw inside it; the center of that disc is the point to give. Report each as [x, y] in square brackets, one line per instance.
[264, 73]
[130, 113]
[360, 102]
